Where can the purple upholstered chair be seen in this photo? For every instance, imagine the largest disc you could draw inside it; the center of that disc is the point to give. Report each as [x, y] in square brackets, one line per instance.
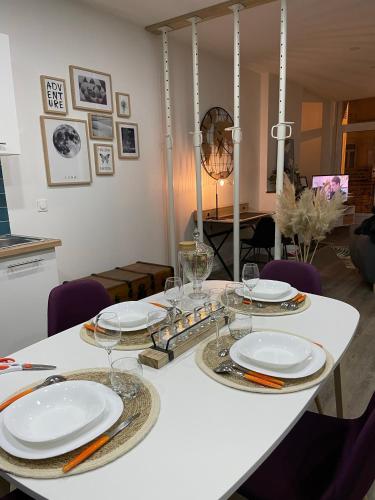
[322, 458]
[75, 302]
[301, 275]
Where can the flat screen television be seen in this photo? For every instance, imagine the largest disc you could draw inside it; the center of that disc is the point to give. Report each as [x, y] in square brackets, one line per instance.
[331, 184]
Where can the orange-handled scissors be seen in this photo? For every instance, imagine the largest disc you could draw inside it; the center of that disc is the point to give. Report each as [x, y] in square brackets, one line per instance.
[10, 365]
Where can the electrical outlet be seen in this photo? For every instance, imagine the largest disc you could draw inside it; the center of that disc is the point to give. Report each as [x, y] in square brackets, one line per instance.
[42, 205]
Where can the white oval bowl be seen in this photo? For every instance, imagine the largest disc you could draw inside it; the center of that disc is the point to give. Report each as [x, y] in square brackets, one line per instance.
[132, 315]
[270, 289]
[114, 407]
[274, 349]
[54, 412]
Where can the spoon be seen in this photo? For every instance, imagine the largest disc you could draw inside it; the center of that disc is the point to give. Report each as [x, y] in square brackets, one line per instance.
[289, 306]
[223, 353]
[52, 379]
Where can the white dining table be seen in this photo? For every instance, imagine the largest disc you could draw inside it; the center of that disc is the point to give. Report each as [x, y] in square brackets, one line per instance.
[209, 438]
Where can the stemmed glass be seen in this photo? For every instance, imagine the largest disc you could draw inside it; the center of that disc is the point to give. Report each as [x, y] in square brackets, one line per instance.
[173, 292]
[107, 332]
[250, 278]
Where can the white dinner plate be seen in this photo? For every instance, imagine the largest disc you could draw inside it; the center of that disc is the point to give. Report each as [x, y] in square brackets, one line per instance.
[130, 309]
[289, 295]
[274, 350]
[271, 289]
[311, 365]
[54, 412]
[112, 412]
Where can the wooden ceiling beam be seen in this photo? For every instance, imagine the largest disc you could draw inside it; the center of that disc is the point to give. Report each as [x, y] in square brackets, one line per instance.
[218, 10]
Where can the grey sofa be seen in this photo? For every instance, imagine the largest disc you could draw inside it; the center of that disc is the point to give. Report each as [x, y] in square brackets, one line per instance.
[362, 252]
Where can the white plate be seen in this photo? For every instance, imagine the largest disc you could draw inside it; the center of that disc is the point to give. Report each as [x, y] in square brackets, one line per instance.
[312, 364]
[271, 289]
[54, 412]
[112, 412]
[274, 350]
[289, 295]
[125, 310]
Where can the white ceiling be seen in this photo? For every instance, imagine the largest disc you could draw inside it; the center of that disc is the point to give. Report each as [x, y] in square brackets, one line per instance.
[331, 43]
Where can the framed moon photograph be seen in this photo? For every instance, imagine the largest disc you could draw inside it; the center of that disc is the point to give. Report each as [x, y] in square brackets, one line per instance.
[104, 164]
[91, 90]
[100, 127]
[53, 95]
[123, 105]
[66, 151]
[127, 141]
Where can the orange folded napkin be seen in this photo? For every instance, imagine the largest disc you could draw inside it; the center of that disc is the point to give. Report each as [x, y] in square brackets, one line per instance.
[263, 381]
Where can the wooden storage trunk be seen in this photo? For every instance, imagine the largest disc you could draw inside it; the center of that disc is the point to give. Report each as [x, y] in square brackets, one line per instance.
[139, 285]
[158, 273]
[117, 290]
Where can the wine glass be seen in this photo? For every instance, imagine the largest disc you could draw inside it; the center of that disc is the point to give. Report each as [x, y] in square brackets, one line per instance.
[217, 313]
[173, 292]
[250, 277]
[107, 332]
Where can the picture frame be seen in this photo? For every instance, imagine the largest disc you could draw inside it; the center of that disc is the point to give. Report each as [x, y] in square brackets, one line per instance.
[303, 181]
[91, 89]
[104, 159]
[100, 126]
[123, 105]
[66, 151]
[127, 141]
[53, 95]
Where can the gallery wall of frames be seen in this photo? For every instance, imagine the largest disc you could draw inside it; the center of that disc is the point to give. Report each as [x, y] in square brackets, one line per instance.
[66, 140]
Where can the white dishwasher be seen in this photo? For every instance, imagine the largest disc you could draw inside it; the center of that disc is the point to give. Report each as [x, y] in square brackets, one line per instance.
[25, 283]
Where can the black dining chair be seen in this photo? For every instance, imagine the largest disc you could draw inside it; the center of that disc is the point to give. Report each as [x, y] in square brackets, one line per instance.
[262, 239]
[322, 458]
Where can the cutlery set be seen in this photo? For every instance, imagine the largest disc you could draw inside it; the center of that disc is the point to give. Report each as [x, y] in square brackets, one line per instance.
[289, 305]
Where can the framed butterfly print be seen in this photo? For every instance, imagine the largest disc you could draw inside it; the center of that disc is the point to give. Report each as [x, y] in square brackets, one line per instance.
[104, 162]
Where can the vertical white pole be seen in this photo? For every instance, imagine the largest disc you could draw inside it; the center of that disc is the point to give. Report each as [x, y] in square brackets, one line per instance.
[236, 135]
[169, 150]
[282, 125]
[197, 134]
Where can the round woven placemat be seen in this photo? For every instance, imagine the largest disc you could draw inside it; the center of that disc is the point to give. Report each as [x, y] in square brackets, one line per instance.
[130, 341]
[268, 309]
[207, 359]
[147, 403]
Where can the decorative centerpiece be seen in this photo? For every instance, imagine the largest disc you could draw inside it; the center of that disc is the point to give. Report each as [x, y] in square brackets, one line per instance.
[308, 219]
[197, 265]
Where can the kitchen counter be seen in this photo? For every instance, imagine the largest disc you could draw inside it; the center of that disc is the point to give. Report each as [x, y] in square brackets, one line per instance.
[24, 248]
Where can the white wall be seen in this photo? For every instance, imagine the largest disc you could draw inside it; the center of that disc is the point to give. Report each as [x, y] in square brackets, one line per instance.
[216, 89]
[313, 132]
[115, 220]
[118, 219]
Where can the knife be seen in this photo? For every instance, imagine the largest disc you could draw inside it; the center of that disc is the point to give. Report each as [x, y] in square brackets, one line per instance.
[15, 367]
[98, 443]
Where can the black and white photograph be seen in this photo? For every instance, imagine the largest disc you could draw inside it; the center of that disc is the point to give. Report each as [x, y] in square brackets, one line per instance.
[100, 127]
[123, 105]
[104, 164]
[91, 90]
[127, 140]
[66, 151]
[53, 95]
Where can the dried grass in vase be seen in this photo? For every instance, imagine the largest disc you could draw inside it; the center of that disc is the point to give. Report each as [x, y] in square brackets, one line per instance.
[306, 220]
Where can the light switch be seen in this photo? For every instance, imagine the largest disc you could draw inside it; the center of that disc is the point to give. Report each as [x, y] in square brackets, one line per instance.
[42, 205]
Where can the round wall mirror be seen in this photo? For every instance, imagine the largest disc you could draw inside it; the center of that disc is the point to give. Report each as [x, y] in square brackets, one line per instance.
[217, 144]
